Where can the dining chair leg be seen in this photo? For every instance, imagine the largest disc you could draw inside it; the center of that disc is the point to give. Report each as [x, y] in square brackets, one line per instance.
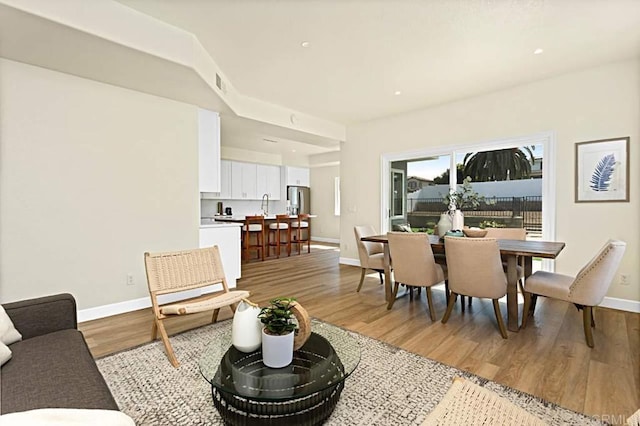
[362, 274]
[525, 308]
[393, 295]
[586, 319]
[452, 302]
[496, 310]
[462, 302]
[432, 313]
[593, 317]
[381, 278]
[214, 316]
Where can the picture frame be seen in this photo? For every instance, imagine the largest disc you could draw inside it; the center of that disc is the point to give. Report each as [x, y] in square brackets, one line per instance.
[602, 171]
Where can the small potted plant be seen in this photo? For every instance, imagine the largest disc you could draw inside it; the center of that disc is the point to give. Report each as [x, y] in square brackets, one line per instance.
[278, 332]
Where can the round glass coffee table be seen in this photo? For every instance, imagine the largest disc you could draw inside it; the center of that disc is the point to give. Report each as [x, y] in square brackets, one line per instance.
[246, 392]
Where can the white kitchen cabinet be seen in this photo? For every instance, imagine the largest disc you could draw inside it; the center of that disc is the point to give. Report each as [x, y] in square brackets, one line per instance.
[244, 181]
[268, 181]
[208, 150]
[227, 238]
[297, 176]
[225, 179]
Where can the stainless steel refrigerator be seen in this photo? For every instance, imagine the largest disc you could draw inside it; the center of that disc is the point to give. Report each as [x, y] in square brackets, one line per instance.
[299, 199]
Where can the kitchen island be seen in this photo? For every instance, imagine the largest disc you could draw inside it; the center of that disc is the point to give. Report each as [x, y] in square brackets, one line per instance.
[270, 219]
[225, 235]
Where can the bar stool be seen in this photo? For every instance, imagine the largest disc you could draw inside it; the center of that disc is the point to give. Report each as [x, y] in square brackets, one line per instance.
[281, 226]
[301, 232]
[253, 225]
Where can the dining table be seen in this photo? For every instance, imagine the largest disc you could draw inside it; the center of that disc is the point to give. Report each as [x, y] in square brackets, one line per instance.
[510, 250]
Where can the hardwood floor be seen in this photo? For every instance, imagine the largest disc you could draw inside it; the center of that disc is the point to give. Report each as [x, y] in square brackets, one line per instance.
[549, 358]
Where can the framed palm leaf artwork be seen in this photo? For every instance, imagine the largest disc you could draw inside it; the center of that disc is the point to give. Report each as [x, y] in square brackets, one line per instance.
[602, 171]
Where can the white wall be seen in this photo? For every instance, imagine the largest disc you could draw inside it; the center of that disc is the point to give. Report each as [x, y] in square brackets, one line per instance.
[594, 104]
[91, 177]
[327, 225]
[505, 188]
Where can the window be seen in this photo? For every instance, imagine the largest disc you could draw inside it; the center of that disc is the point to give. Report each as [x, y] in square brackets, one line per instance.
[397, 194]
[534, 211]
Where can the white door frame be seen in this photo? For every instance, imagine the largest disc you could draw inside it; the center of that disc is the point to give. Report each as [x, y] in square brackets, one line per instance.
[547, 139]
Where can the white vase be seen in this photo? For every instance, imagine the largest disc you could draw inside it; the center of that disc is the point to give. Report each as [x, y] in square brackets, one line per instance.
[246, 328]
[457, 220]
[444, 225]
[277, 351]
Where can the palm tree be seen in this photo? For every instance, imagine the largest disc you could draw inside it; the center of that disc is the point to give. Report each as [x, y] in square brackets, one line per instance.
[501, 164]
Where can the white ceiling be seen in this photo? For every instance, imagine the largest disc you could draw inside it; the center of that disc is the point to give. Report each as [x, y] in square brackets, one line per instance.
[433, 51]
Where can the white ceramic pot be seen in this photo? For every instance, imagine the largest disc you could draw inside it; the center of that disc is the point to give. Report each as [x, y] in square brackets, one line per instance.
[444, 225]
[246, 328]
[277, 351]
[457, 220]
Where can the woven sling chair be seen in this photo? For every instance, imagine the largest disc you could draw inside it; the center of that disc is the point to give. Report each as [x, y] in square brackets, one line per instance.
[173, 272]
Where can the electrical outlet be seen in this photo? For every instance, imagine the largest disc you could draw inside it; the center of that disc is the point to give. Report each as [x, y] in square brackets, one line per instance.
[624, 279]
[130, 280]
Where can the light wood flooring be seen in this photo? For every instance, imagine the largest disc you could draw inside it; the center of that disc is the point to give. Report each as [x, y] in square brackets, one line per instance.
[548, 359]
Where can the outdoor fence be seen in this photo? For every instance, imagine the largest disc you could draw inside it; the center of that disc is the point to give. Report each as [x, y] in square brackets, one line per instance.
[509, 211]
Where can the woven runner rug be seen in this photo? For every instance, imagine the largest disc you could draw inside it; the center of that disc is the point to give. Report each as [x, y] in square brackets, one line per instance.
[389, 387]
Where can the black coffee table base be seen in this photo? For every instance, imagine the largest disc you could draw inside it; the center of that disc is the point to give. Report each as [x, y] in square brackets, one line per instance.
[310, 410]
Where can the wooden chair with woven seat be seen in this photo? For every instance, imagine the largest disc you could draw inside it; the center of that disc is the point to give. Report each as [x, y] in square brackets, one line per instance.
[414, 264]
[586, 290]
[301, 232]
[173, 272]
[474, 269]
[281, 226]
[253, 226]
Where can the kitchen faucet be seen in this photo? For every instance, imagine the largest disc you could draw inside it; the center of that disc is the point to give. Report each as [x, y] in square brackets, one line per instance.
[265, 211]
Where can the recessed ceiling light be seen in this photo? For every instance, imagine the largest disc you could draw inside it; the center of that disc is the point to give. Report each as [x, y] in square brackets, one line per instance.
[397, 92]
[305, 44]
[293, 150]
[538, 51]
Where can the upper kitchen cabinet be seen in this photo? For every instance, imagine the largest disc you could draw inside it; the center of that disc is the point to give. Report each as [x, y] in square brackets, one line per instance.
[209, 150]
[296, 176]
[268, 181]
[244, 181]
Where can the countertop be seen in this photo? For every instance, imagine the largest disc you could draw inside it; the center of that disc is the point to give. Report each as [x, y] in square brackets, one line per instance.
[240, 219]
[212, 223]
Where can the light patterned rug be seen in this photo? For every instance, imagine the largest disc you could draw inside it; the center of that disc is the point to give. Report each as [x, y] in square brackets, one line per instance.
[389, 387]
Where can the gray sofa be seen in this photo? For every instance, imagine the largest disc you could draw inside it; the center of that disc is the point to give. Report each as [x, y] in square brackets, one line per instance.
[51, 366]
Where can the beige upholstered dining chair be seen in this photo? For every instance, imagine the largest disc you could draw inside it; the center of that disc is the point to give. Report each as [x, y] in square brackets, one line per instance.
[510, 234]
[585, 291]
[414, 264]
[177, 271]
[371, 254]
[475, 270]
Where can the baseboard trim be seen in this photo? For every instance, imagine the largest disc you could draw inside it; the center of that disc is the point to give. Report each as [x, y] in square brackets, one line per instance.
[621, 304]
[349, 261]
[325, 240]
[104, 311]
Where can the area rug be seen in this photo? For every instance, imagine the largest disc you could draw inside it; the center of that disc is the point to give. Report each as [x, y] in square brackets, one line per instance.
[389, 387]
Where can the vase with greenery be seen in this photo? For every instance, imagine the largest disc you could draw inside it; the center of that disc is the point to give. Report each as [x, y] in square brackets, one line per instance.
[466, 198]
[278, 332]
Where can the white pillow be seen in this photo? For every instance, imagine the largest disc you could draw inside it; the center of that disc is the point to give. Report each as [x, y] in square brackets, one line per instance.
[5, 353]
[8, 333]
[66, 417]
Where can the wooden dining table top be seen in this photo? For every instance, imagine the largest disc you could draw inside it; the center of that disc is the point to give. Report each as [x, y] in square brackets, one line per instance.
[544, 249]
